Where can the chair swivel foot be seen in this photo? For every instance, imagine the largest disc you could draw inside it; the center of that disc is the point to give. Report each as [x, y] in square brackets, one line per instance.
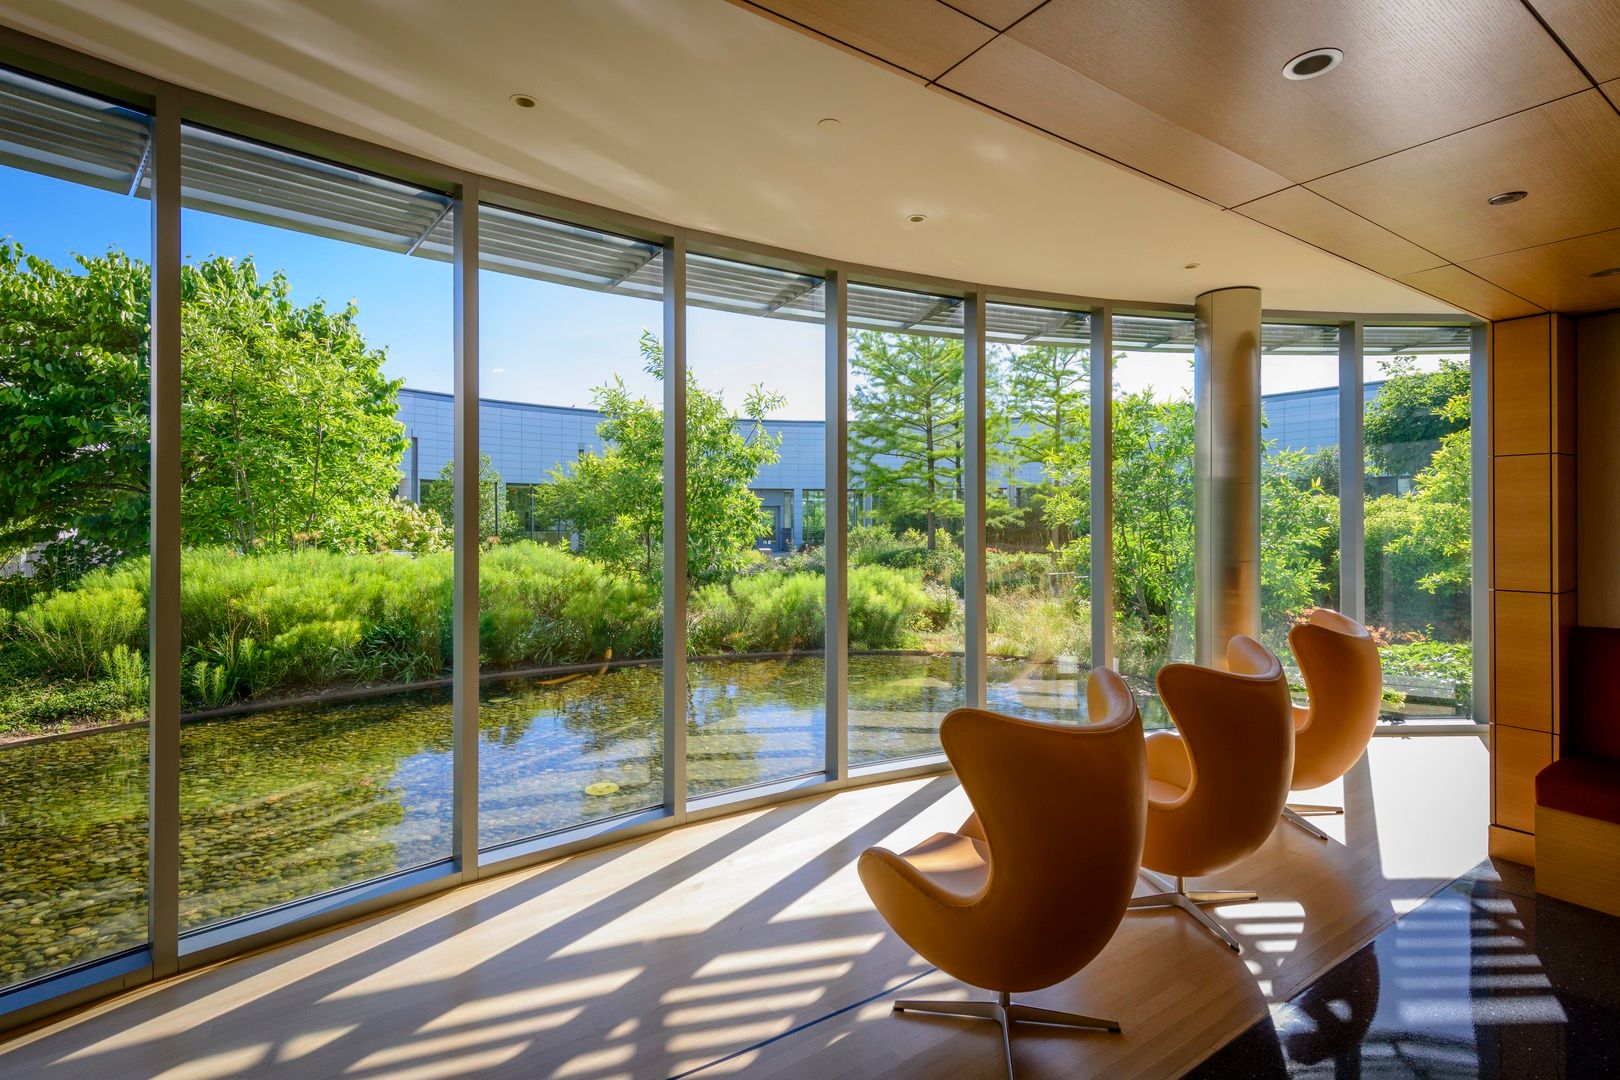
[1315, 808]
[1190, 903]
[1296, 819]
[1006, 1012]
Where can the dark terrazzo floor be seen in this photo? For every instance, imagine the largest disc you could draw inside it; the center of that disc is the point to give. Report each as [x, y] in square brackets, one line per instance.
[1484, 979]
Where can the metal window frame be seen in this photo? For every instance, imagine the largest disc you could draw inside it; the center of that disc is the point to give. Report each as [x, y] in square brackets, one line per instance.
[975, 630]
[1352, 471]
[169, 951]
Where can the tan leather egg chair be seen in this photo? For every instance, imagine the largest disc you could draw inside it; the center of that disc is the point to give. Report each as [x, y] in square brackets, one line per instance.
[1217, 784]
[1038, 892]
[1344, 682]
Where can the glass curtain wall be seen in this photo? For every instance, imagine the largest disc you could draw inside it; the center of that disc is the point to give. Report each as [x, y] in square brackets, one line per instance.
[1299, 479]
[1153, 500]
[1418, 524]
[315, 600]
[570, 579]
[75, 258]
[1038, 511]
[756, 590]
[906, 459]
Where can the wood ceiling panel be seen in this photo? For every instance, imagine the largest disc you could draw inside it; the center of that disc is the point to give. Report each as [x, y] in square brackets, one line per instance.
[1591, 29]
[1457, 286]
[1613, 90]
[1412, 72]
[1565, 154]
[1313, 219]
[998, 13]
[1013, 78]
[924, 37]
[1558, 276]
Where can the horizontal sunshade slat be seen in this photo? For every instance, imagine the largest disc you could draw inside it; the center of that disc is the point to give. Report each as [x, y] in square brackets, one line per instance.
[71, 136]
[48, 129]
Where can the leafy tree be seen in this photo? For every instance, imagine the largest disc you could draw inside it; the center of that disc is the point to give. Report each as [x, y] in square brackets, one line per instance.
[1408, 418]
[73, 407]
[289, 424]
[1042, 393]
[616, 498]
[1299, 540]
[440, 498]
[906, 430]
[1153, 515]
[289, 428]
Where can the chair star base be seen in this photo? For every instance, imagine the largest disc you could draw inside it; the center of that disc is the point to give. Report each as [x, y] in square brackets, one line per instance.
[1006, 1012]
[1296, 813]
[1191, 903]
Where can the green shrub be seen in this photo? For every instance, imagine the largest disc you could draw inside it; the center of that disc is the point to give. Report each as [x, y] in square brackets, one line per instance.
[126, 671]
[29, 708]
[884, 606]
[759, 613]
[1030, 625]
[66, 634]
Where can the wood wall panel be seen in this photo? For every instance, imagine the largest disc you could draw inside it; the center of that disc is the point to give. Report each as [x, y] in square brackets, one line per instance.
[1523, 640]
[1564, 388]
[1597, 479]
[1521, 535]
[1520, 386]
[1563, 523]
[1516, 756]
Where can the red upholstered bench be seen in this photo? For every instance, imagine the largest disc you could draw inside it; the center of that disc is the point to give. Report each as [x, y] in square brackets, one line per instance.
[1578, 796]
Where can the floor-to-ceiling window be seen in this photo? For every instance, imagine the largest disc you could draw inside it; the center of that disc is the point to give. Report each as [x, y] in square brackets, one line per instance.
[1299, 478]
[756, 590]
[315, 599]
[1153, 499]
[1038, 507]
[1418, 513]
[907, 455]
[571, 370]
[74, 528]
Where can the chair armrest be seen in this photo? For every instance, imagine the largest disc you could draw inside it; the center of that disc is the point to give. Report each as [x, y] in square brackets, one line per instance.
[1167, 759]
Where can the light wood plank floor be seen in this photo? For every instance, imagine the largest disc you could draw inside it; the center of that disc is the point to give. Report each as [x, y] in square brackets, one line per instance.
[692, 950]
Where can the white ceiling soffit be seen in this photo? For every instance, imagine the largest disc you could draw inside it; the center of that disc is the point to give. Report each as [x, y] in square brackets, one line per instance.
[701, 114]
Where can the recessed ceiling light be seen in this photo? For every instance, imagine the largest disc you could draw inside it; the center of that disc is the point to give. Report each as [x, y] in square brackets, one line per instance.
[524, 101]
[829, 123]
[1308, 65]
[1608, 271]
[1192, 266]
[1504, 198]
[916, 219]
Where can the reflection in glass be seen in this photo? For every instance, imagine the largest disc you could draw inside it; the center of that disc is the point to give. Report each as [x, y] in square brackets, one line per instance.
[1038, 527]
[755, 446]
[309, 571]
[74, 529]
[1419, 528]
[1299, 480]
[1153, 500]
[906, 457]
[570, 581]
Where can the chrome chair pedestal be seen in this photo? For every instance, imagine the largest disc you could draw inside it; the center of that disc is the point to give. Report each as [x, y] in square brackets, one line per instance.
[1192, 903]
[1295, 815]
[1006, 1012]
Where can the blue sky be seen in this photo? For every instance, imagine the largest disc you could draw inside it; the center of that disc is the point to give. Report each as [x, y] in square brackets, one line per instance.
[539, 342]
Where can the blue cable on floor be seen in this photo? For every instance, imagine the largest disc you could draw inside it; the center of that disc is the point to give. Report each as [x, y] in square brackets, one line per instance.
[807, 1024]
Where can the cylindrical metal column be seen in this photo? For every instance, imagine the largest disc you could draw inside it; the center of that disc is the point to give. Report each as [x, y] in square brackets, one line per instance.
[1226, 392]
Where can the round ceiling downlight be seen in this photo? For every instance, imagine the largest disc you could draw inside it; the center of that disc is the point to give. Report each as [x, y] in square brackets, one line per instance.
[1308, 65]
[916, 219]
[1607, 271]
[1507, 198]
[524, 101]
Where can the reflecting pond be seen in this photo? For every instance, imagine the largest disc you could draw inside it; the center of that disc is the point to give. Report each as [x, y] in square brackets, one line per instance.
[297, 800]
